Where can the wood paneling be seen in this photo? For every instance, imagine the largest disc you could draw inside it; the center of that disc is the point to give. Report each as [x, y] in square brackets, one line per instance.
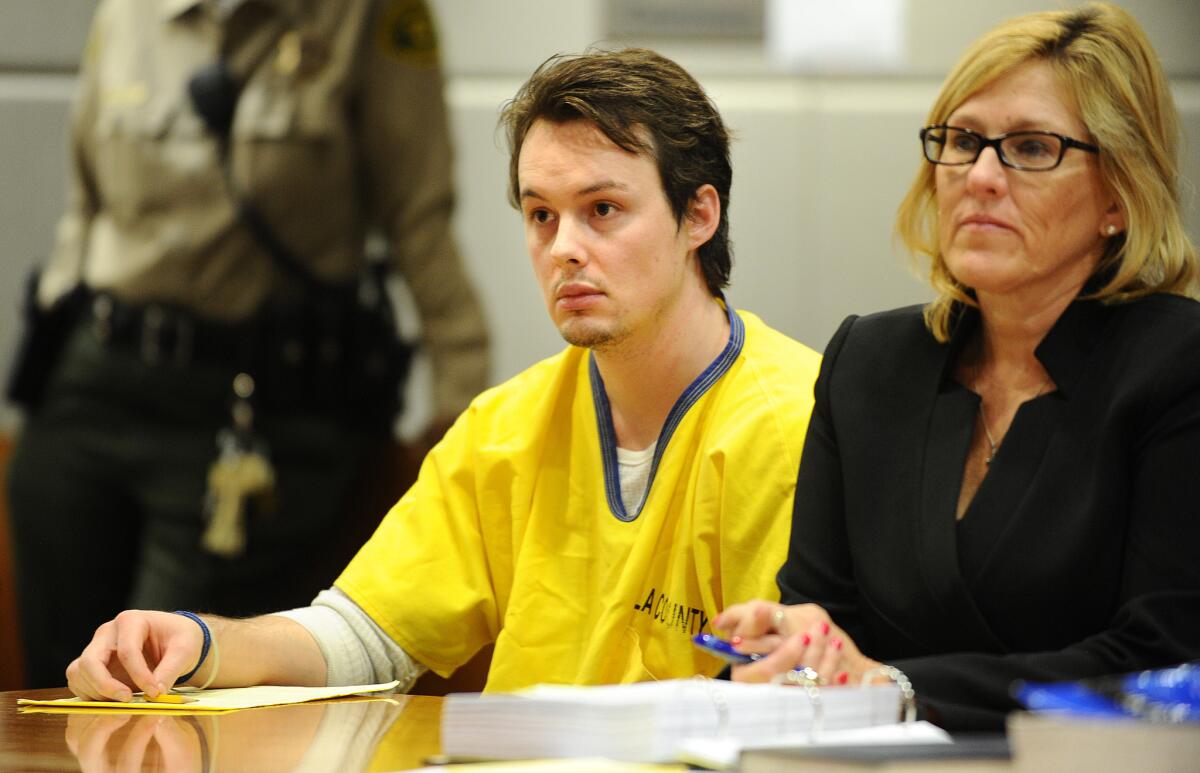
[12, 662]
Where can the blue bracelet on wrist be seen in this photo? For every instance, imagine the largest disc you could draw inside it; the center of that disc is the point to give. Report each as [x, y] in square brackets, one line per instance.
[203, 649]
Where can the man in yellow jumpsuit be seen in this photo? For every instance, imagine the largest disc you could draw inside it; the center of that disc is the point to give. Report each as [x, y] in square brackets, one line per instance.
[592, 514]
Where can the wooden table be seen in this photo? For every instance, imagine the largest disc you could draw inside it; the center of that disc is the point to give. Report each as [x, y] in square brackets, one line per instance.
[394, 733]
[400, 732]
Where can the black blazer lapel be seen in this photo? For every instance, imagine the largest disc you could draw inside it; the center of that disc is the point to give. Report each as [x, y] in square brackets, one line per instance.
[947, 439]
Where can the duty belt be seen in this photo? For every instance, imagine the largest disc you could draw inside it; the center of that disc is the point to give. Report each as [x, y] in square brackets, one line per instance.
[300, 360]
[167, 335]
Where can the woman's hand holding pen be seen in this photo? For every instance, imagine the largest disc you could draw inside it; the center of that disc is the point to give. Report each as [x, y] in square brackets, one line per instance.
[136, 650]
[794, 636]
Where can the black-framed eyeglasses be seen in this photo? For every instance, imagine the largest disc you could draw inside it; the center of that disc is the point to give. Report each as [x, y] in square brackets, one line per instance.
[1030, 151]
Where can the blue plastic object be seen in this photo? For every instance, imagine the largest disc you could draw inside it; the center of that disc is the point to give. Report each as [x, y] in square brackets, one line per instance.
[1164, 695]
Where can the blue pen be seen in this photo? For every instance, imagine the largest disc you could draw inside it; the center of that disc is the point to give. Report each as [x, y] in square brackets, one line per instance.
[715, 645]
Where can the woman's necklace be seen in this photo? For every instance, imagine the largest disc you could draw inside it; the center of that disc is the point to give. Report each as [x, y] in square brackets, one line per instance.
[993, 444]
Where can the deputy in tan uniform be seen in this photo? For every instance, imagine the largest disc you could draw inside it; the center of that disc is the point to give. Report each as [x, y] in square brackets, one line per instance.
[198, 345]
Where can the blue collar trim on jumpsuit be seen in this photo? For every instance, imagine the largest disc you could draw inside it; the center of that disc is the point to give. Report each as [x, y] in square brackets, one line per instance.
[608, 436]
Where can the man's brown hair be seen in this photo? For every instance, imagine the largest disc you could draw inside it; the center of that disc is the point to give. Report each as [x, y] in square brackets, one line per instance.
[643, 103]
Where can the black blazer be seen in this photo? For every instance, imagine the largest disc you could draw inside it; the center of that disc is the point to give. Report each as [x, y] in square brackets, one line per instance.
[1080, 553]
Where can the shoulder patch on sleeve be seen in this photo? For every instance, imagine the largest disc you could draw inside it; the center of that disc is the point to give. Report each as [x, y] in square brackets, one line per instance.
[405, 30]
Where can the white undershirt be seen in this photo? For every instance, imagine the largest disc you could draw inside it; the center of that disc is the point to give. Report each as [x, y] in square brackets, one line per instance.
[634, 470]
[356, 649]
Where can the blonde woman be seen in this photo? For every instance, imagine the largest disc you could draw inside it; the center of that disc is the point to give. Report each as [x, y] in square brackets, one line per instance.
[1001, 485]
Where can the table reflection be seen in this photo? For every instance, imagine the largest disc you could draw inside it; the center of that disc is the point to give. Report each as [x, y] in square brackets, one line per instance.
[119, 742]
[351, 735]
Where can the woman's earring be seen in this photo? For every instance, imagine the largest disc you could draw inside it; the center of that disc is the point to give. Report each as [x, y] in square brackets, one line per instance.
[1110, 230]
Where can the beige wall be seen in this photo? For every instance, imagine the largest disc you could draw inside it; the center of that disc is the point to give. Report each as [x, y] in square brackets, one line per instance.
[820, 162]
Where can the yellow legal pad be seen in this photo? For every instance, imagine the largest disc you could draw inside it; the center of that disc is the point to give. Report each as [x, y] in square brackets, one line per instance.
[223, 699]
[572, 765]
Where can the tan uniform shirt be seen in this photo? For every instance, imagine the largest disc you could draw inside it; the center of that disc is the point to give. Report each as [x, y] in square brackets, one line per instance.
[340, 130]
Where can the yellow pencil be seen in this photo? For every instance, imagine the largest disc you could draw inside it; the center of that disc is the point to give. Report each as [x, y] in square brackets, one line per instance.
[169, 697]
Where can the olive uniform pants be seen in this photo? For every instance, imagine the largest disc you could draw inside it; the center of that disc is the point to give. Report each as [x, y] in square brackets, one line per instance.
[107, 485]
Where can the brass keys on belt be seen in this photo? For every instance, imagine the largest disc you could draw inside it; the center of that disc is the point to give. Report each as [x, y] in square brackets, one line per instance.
[241, 472]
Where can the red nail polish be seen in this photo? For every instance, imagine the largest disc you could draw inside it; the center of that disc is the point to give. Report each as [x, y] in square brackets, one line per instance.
[836, 642]
[806, 640]
[824, 628]
[842, 678]
[736, 640]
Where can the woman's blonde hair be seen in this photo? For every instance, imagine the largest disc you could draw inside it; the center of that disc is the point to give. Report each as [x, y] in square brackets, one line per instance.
[1105, 61]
